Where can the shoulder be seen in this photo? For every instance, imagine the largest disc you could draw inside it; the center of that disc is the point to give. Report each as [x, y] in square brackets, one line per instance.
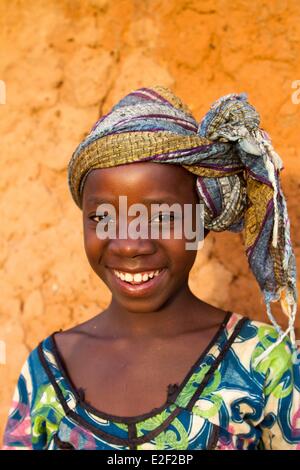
[36, 411]
[253, 338]
[252, 331]
[33, 375]
[33, 379]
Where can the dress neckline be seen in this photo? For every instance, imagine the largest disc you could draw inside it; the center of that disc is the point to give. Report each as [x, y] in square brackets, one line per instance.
[60, 366]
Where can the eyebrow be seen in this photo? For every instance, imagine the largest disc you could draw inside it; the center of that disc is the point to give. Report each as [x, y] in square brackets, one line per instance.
[168, 199]
[98, 200]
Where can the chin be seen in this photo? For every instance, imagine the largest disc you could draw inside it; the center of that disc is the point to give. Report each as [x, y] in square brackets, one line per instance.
[140, 306]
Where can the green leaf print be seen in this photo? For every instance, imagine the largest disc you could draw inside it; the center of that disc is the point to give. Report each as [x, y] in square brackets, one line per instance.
[170, 440]
[121, 426]
[275, 364]
[46, 414]
[194, 382]
[189, 389]
[216, 401]
[154, 422]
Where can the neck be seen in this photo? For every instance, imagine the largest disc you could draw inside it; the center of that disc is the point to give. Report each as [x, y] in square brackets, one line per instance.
[170, 319]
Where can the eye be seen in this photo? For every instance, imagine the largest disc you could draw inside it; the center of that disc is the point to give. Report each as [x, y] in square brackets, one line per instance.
[104, 218]
[167, 217]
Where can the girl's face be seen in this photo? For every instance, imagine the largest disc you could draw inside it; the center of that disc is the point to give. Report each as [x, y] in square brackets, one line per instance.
[147, 183]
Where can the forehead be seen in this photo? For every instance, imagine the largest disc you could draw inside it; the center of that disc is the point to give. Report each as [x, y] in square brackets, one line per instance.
[140, 179]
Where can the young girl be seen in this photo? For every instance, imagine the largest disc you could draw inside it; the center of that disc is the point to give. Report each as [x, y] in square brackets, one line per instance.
[160, 368]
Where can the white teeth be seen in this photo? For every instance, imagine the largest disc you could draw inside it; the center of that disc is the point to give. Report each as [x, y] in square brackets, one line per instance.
[137, 277]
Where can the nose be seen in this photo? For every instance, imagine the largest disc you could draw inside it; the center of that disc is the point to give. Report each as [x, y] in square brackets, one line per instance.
[129, 247]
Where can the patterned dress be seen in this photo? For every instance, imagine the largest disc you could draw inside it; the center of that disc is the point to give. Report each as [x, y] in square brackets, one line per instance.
[224, 402]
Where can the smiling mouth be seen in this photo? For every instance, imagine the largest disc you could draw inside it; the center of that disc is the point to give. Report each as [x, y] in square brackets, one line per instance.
[138, 288]
[137, 278]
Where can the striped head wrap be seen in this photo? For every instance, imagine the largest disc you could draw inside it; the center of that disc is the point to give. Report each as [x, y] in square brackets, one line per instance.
[237, 175]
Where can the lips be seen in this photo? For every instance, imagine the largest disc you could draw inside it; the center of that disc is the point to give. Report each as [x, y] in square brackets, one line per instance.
[139, 289]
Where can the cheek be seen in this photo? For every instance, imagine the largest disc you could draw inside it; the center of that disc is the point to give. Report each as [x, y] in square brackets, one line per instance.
[182, 258]
[93, 245]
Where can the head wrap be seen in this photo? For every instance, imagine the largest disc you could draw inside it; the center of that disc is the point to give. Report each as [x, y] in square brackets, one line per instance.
[237, 175]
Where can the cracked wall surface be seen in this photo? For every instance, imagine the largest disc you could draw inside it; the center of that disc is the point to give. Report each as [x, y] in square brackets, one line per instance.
[65, 63]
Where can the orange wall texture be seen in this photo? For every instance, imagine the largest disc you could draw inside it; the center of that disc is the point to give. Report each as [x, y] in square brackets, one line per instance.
[64, 62]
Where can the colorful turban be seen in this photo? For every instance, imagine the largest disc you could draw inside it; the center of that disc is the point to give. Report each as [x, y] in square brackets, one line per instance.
[237, 175]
